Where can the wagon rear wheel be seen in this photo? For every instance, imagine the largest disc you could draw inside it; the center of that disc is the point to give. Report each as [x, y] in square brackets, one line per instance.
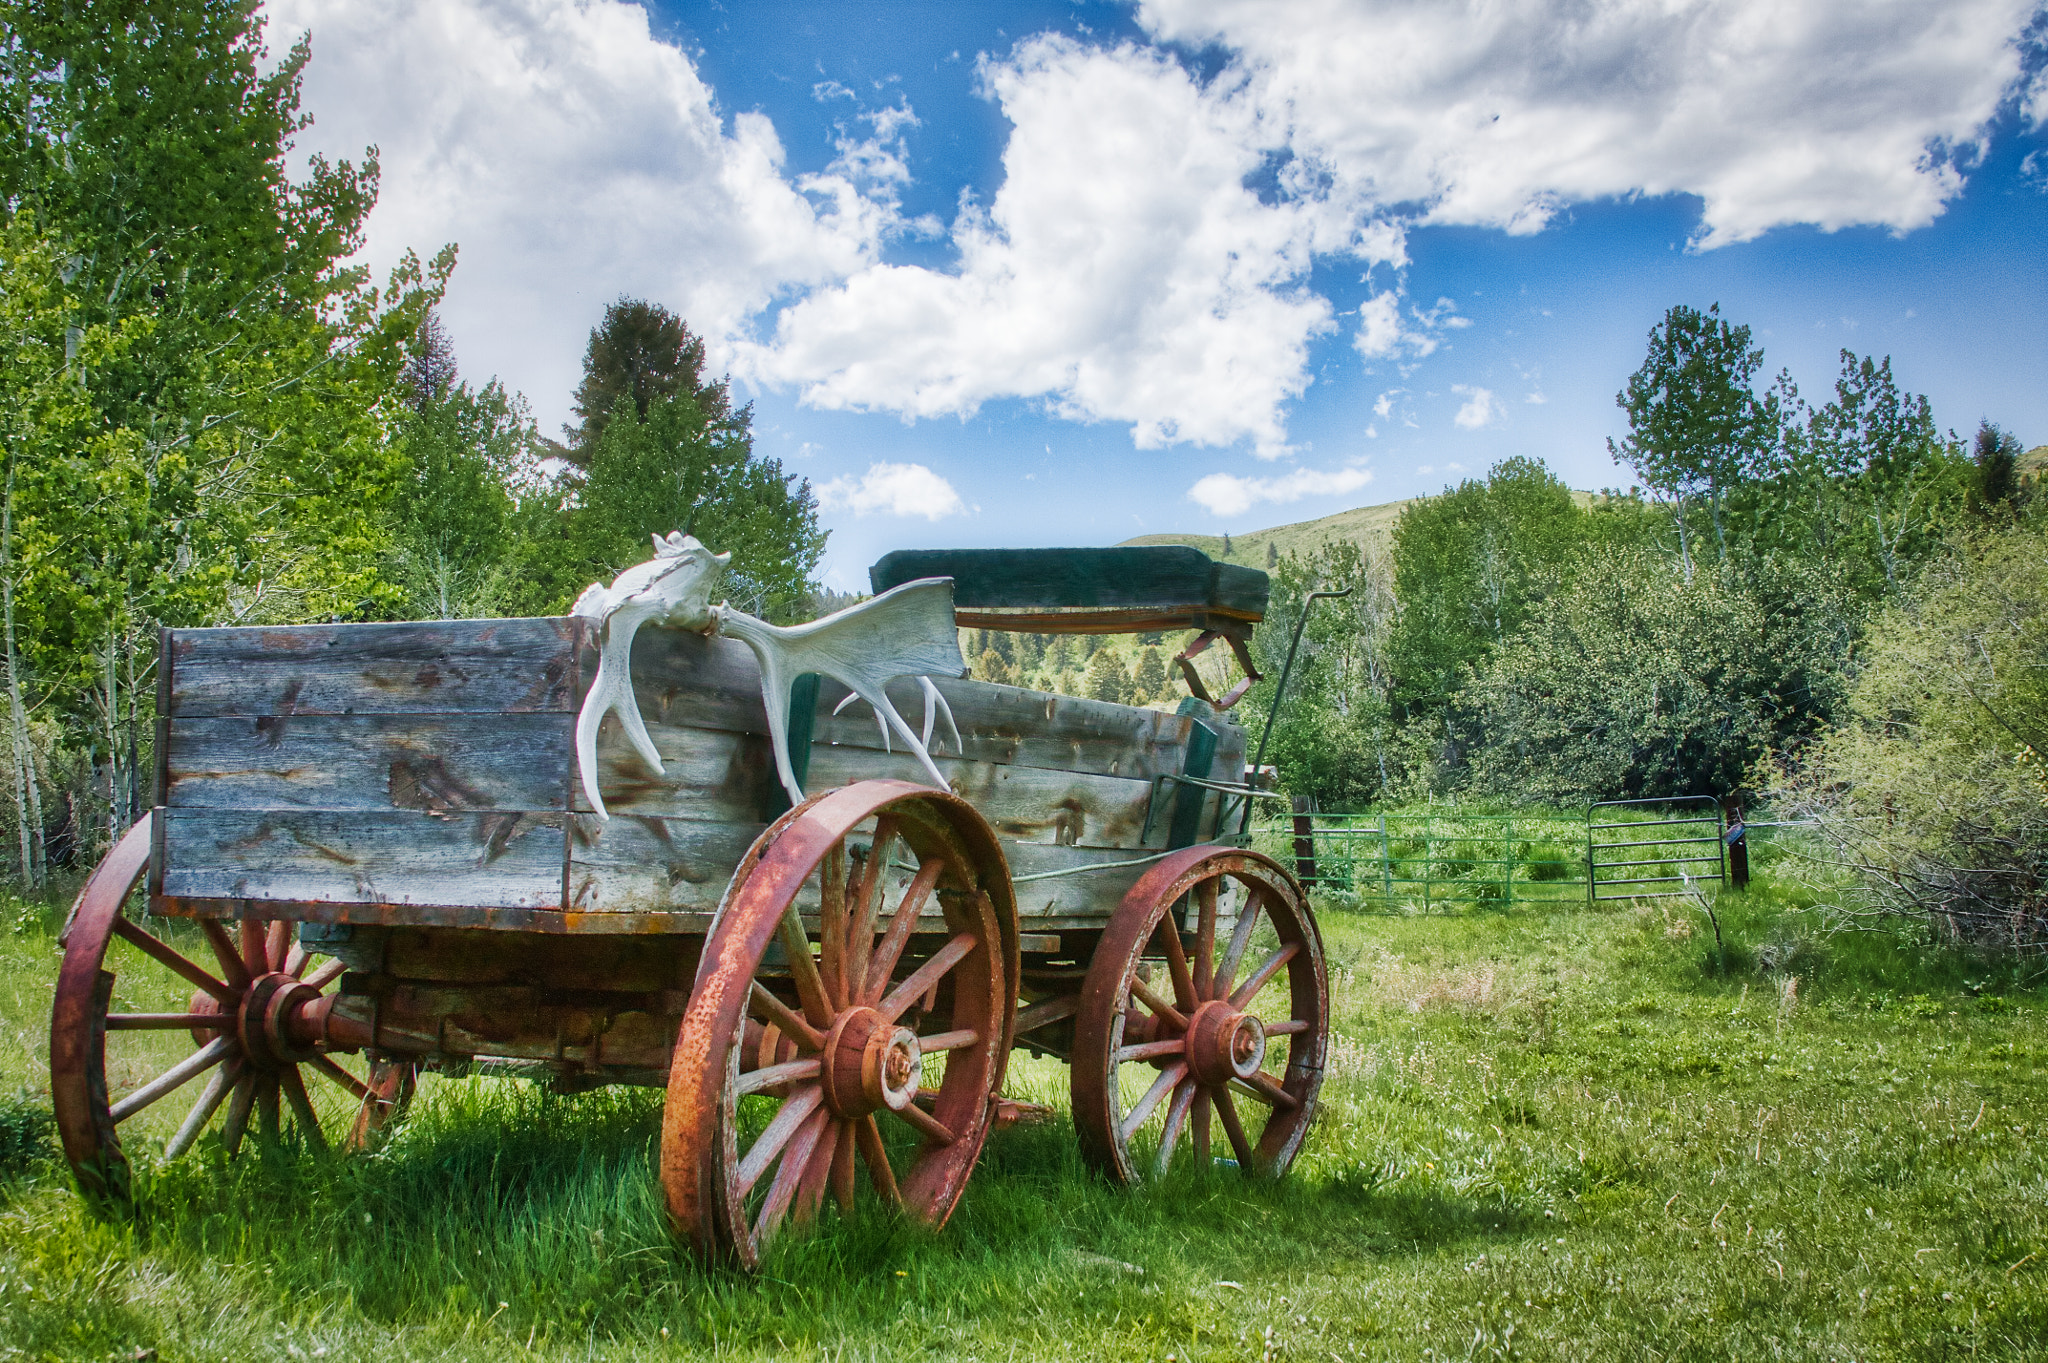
[1173, 1040]
[126, 1039]
[850, 1022]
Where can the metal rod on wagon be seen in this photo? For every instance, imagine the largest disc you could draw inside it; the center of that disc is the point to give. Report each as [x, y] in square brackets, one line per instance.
[1280, 692]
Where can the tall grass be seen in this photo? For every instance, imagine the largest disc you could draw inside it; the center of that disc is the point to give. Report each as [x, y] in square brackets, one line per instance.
[1557, 1134]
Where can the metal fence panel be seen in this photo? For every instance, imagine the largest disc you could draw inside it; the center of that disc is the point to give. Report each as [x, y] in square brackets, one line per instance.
[1700, 849]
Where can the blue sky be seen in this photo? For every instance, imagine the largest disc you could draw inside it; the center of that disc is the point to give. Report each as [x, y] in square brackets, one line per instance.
[1052, 273]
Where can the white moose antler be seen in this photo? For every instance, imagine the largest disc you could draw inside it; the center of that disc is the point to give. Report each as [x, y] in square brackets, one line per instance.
[672, 588]
[907, 631]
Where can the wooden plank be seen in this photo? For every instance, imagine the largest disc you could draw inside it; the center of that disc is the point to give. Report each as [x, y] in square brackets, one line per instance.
[1160, 578]
[641, 864]
[435, 764]
[474, 666]
[714, 777]
[508, 860]
[1020, 727]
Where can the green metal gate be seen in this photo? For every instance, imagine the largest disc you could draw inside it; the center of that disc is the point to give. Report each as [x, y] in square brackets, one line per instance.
[1434, 862]
[1664, 853]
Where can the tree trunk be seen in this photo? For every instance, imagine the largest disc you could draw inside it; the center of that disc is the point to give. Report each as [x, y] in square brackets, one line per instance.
[28, 803]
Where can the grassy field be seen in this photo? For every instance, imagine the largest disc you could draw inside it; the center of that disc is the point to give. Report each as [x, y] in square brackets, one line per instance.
[1546, 1134]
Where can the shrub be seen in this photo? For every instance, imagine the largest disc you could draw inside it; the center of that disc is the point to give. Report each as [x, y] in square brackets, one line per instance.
[1934, 790]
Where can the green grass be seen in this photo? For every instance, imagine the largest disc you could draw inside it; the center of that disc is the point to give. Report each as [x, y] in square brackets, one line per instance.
[1558, 1134]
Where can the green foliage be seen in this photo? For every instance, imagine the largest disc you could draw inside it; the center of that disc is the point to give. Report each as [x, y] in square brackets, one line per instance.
[1631, 681]
[1148, 679]
[1866, 482]
[640, 353]
[1696, 424]
[1933, 789]
[1108, 679]
[1332, 738]
[1467, 568]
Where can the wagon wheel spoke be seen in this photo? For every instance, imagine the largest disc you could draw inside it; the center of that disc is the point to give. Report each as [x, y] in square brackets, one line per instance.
[226, 952]
[774, 1011]
[1163, 1085]
[1259, 978]
[930, 1127]
[803, 968]
[239, 1108]
[844, 1156]
[789, 1174]
[927, 976]
[1176, 1120]
[875, 1155]
[277, 943]
[882, 964]
[1161, 1009]
[174, 1078]
[768, 1146]
[355, 1086]
[167, 956]
[832, 937]
[861, 913]
[327, 974]
[1205, 940]
[1266, 1089]
[296, 960]
[1232, 1127]
[1203, 1106]
[302, 1106]
[217, 1087]
[255, 946]
[1240, 938]
[166, 1022]
[1168, 935]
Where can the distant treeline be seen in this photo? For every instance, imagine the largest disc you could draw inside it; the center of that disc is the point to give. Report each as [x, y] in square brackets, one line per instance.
[1514, 645]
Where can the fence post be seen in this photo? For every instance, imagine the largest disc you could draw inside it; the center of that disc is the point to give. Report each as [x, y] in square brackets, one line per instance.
[1304, 841]
[1736, 839]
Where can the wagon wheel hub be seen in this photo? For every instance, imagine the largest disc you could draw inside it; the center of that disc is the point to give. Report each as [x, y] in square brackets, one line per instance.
[869, 1064]
[273, 1021]
[1225, 1044]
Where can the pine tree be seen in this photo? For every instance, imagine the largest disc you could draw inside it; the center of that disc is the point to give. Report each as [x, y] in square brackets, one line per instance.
[1149, 682]
[1107, 679]
[990, 667]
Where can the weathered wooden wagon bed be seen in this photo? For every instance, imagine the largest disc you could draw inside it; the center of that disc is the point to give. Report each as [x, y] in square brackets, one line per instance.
[403, 800]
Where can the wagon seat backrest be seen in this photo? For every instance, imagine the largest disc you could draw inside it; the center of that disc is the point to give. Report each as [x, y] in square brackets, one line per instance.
[1130, 589]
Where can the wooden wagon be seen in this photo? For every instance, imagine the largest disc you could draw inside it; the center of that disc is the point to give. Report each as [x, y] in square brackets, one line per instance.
[369, 840]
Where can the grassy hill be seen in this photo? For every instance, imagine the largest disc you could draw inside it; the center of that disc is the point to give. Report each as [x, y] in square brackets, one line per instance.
[1372, 525]
[1367, 524]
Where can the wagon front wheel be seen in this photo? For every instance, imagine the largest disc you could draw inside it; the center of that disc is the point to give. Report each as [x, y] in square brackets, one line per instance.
[1184, 1047]
[850, 1021]
[230, 1033]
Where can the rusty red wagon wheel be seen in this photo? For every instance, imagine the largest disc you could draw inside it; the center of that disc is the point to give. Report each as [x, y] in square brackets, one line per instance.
[808, 1049]
[1155, 1058]
[253, 1022]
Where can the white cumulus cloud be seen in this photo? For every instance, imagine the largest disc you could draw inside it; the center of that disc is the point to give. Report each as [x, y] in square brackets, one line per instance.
[1479, 408]
[574, 157]
[1123, 272]
[893, 490]
[1828, 112]
[1230, 494]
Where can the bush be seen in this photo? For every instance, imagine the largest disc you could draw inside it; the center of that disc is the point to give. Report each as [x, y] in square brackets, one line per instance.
[1934, 791]
[1632, 681]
